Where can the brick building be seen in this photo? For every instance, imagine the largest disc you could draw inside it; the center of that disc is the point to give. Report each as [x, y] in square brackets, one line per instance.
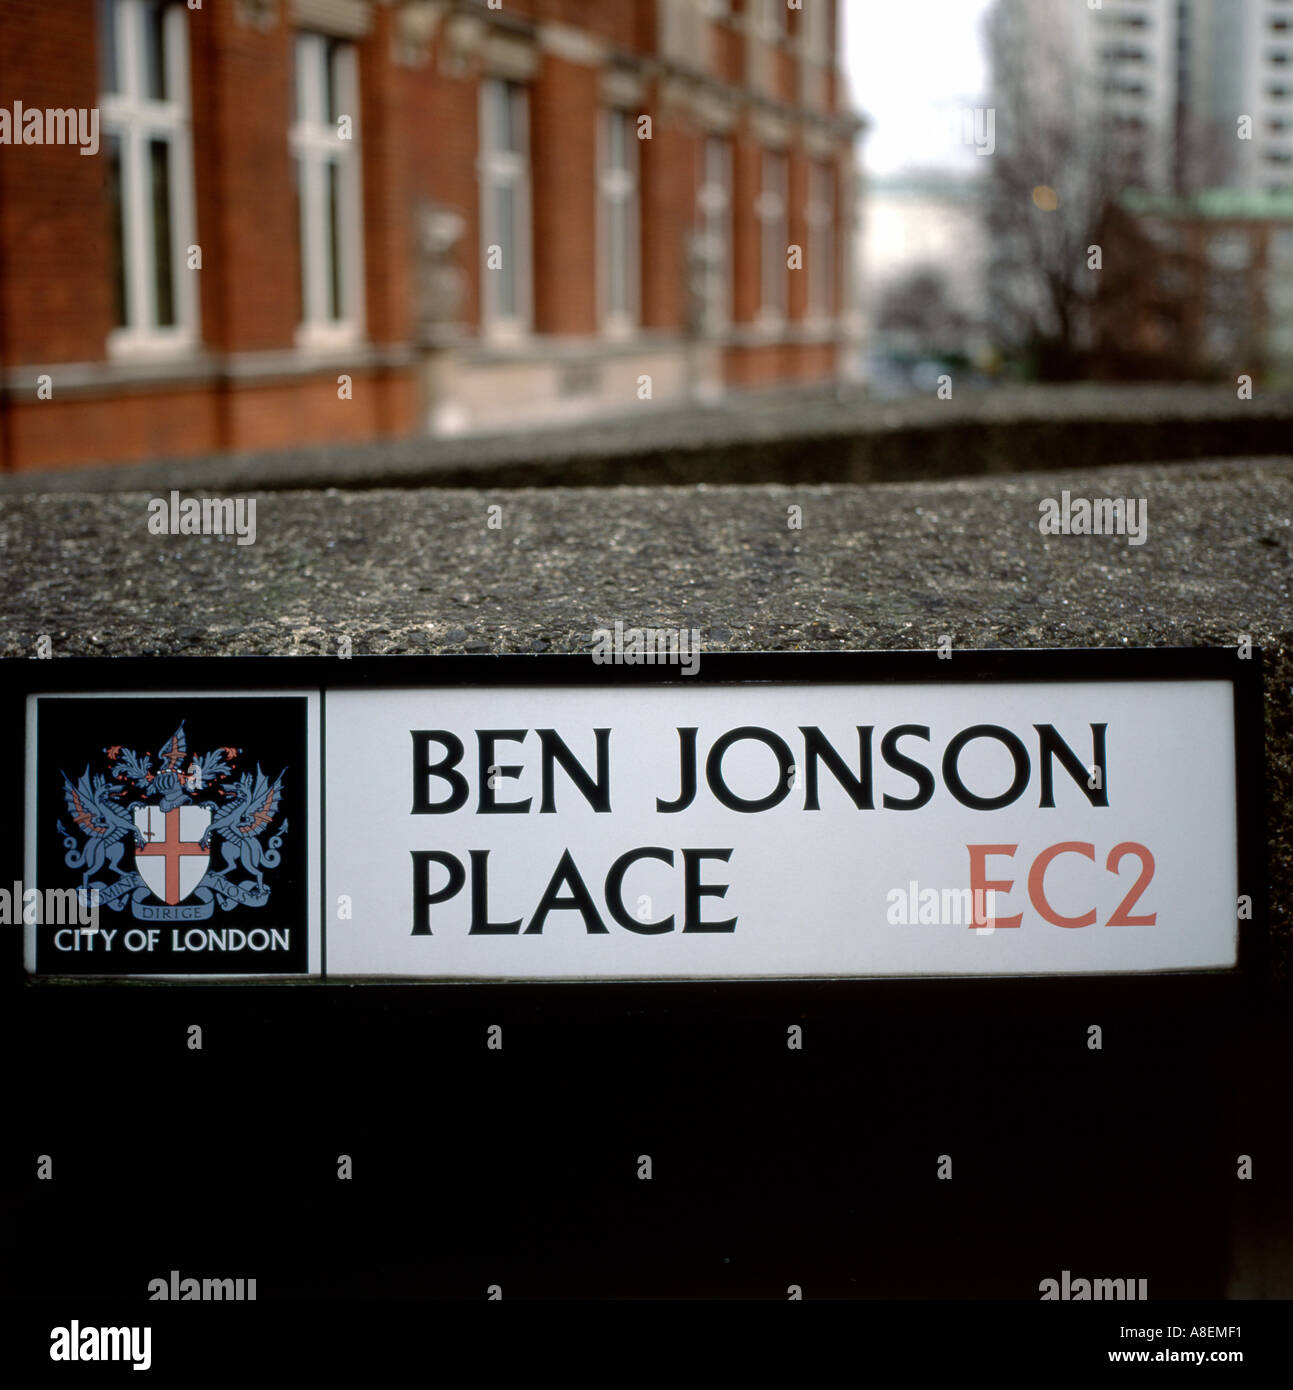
[248, 224]
[1197, 288]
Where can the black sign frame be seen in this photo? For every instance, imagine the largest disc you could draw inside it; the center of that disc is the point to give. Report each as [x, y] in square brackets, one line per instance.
[140, 674]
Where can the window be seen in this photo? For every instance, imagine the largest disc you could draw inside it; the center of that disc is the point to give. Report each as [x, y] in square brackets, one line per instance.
[819, 215]
[771, 212]
[618, 256]
[324, 138]
[715, 205]
[814, 52]
[505, 205]
[770, 19]
[817, 30]
[765, 32]
[683, 27]
[144, 108]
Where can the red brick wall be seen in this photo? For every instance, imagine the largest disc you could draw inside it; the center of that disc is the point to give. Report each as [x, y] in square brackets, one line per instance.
[669, 165]
[785, 80]
[797, 194]
[243, 176]
[746, 179]
[389, 113]
[755, 366]
[283, 415]
[121, 428]
[564, 102]
[727, 49]
[177, 423]
[768, 364]
[628, 23]
[55, 285]
[815, 361]
[844, 194]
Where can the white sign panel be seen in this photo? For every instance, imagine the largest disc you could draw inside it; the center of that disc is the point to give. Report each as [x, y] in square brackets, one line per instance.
[764, 831]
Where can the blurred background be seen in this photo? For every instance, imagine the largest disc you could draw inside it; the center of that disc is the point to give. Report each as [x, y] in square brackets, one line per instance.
[1060, 190]
[255, 225]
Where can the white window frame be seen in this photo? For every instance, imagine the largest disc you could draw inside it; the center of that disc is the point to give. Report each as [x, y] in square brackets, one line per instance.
[815, 38]
[316, 143]
[498, 166]
[714, 204]
[618, 186]
[770, 20]
[814, 52]
[682, 30]
[774, 238]
[135, 119]
[820, 253]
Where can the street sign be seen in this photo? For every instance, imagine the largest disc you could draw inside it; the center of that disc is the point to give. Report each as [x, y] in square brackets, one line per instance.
[790, 816]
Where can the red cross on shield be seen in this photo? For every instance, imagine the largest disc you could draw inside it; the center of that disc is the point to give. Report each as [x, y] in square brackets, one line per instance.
[171, 862]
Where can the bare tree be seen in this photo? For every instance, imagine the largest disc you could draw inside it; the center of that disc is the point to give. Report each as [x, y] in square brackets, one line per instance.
[1059, 164]
[918, 311]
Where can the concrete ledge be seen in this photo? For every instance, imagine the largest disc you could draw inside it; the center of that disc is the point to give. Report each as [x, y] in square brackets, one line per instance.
[805, 436]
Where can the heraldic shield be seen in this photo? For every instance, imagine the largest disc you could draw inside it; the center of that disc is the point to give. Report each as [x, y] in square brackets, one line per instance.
[174, 857]
[178, 817]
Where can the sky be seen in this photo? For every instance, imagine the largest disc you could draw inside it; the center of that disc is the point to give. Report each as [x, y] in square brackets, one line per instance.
[913, 66]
